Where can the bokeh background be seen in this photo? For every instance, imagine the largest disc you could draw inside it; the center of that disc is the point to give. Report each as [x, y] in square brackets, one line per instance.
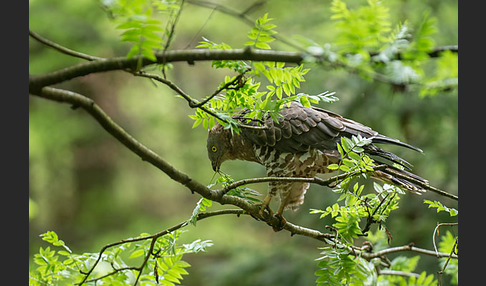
[91, 190]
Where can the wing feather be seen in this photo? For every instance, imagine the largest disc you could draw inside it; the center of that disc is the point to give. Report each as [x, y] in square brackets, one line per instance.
[286, 129]
[270, 133]
[300, 128]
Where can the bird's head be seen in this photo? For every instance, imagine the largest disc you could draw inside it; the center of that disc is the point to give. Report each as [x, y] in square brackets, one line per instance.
[218, 146]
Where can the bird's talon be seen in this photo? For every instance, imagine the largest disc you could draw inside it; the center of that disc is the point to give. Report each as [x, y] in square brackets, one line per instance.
[281, 223]
[263, 208]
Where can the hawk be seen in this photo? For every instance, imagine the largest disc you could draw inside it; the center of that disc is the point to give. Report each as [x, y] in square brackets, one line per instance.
[302, 144]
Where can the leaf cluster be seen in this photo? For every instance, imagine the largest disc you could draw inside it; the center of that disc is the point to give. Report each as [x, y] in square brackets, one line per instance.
[144, 33]
[370, 44]
[262, 33]
[337, 266]
[140, 24]
[164, 265]
[440, 207]
[364, 28]
[353, 206]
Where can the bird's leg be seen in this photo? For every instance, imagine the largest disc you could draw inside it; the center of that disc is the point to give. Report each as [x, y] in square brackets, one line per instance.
[282, 220]
[265, 204]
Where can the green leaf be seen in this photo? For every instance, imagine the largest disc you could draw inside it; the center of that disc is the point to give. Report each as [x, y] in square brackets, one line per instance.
[171, 278]
[166, 283]
[341, 151]
[149, 54]
[137, 253]
[405, 264]
[182, 263]
[262, 45]
[355, 156]
[348, 163]
[346, 143]
[197, 122]
[333, 166]
[344, 168]
[134, 51]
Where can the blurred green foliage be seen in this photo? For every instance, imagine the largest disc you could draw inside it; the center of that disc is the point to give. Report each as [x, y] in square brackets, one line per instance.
[92, 191]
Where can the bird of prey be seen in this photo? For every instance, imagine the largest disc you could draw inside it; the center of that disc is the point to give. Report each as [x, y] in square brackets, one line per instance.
[302, 143]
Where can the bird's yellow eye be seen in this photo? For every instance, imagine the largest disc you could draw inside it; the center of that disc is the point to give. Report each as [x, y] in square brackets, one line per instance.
[214, 149]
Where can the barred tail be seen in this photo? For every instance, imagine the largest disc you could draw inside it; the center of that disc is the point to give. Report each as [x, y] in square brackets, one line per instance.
[402, 178]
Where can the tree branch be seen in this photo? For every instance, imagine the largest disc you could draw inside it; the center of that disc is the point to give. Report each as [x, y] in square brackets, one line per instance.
[133, 64]
[109, 274]
[294, 229]
[36, 82]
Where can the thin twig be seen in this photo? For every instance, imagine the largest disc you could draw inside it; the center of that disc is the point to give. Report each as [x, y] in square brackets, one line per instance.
[247, 20]
[153, 237]
[436, 231]
[171, 35]
[398, 273]
[111, 273]
[192, 102]
[172, 28]
[236, 82]
[449, 258]
[62, 49]
[314, 180]
[147, 257]
[408, 247]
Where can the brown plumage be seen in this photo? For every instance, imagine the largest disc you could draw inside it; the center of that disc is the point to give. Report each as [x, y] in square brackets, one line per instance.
[302, 144]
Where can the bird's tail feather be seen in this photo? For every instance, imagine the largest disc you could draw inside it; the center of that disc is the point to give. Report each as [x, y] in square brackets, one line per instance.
[402, 178]
[388, 140]
[375, 151]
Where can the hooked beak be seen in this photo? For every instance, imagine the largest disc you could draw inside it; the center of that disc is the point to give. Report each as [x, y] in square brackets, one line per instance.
[215, 166]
